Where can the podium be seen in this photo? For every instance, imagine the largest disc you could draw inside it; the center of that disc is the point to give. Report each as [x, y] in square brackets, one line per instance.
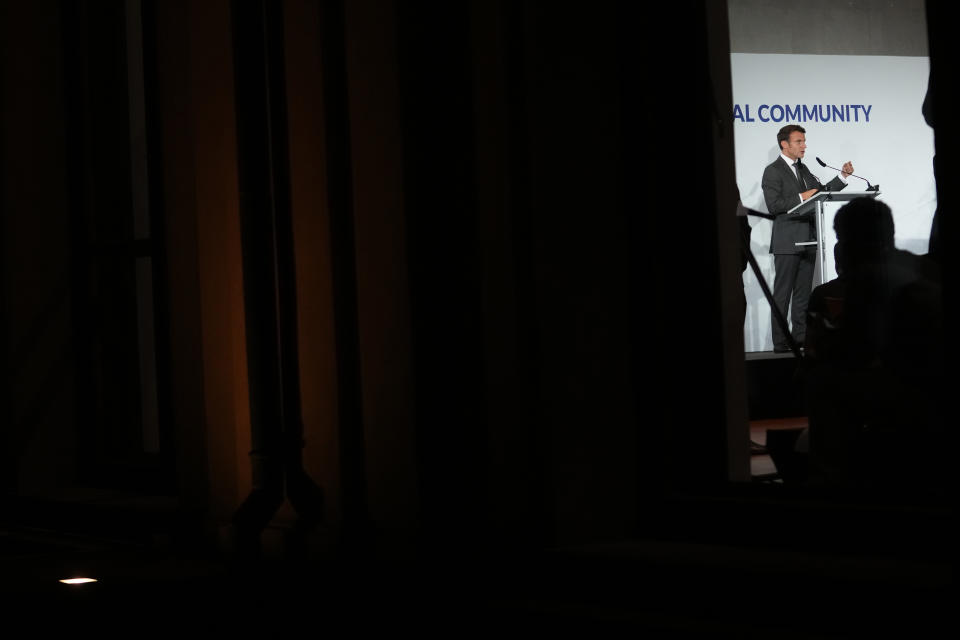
[813, 208]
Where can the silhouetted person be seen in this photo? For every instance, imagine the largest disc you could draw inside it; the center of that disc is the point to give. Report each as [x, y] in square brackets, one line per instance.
[927, 110]
[786, 183]
[743, 231]
[873, 363]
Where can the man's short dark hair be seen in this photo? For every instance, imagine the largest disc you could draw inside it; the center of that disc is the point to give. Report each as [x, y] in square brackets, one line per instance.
[784, 134]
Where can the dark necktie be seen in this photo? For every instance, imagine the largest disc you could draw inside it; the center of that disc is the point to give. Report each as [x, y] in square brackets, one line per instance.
[796, 167]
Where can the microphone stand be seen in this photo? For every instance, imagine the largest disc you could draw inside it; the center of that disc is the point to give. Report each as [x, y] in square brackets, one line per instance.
[870, 187]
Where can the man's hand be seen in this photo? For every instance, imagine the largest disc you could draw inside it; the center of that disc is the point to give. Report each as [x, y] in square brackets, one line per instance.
[809, 193]
[847, 170]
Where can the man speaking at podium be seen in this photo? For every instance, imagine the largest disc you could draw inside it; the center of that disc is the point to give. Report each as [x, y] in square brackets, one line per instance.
[786, 183]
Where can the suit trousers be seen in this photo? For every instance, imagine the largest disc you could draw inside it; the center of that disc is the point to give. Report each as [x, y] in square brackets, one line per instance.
[792, 284]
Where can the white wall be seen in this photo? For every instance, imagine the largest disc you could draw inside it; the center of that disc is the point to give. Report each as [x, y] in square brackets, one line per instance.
[893, 148]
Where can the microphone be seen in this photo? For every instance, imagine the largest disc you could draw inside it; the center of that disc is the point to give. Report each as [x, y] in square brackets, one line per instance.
[870, 187]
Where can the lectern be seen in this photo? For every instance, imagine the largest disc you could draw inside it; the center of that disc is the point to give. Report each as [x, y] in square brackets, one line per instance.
[813, 207]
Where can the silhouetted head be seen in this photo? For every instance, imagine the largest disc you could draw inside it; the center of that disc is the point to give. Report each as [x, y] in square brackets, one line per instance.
[864, 228]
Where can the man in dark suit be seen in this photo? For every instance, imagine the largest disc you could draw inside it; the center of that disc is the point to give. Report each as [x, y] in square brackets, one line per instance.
[786, 183]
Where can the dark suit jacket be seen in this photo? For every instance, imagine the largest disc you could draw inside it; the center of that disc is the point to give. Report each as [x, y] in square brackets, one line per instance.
[781, 191]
